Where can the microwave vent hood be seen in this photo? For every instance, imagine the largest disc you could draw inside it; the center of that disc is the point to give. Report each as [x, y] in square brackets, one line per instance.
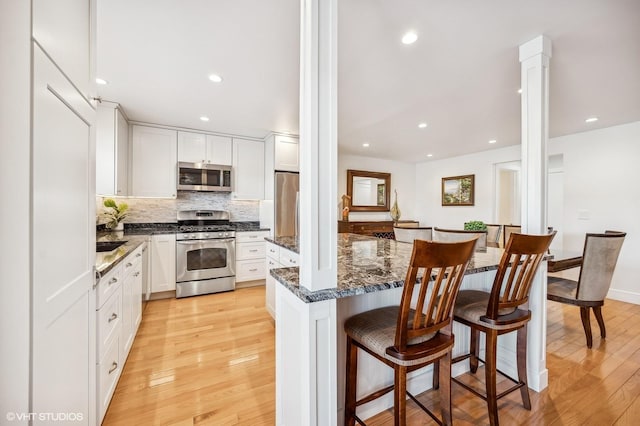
[204, 177]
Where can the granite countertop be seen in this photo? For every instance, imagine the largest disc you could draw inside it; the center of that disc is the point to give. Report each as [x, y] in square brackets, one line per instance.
[106, 261]
[368, 264]
[172, 228]
[290, 243]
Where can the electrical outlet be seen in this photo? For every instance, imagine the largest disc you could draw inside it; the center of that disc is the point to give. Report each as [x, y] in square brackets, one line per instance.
[583, 215]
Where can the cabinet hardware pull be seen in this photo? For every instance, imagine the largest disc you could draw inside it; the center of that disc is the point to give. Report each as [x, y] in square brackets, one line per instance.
[253, 251]
[139, 254]
[113, 280]
[253, 270]
[113, 368]
[113, 317]
[129, 264]
[136, 274]
[98, 277]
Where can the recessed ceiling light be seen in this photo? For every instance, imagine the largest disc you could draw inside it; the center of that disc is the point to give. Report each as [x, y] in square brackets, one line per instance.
[520, 91]
[422, 125]
[409, 37]
[204, 118]
[591, 120]
[493, 141]
[366, 145]
[101, 81]
[429, 155]
[215, 78]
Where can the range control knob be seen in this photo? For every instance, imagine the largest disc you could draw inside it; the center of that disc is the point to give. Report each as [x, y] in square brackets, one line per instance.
[206, 235]
[220, 234]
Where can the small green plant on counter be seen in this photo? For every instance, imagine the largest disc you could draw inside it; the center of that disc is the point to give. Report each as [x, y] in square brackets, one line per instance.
[115, 213]
[475, 225]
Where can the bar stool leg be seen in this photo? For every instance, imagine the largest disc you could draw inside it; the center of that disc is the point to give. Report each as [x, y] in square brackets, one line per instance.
[521, 354]
[400, 396]
[474, 350]
[445, 389]
[350, 387]
[490, 375]
[436, 374]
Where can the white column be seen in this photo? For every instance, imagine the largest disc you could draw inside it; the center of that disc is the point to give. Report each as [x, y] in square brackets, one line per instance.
[318, 143]
[534, 59]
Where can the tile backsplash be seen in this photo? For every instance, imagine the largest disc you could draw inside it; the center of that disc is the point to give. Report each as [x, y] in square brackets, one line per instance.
[161, 210]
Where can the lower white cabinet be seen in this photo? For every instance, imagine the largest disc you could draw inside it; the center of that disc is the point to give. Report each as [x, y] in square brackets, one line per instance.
[118, 315]
[272, 261]
[250, 253]
[163, 263]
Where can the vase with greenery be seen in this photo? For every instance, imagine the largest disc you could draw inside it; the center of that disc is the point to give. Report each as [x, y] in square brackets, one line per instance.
[115, 214]
[475, 225]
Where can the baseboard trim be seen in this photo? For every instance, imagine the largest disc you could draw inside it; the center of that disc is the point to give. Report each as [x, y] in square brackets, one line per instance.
[624, 296]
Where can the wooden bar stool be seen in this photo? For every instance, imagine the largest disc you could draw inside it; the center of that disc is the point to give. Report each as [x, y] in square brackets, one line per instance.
[407, 339]
[502, 311]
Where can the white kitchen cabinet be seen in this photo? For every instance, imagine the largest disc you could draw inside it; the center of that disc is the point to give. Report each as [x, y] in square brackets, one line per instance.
[201, 148]
[131, 301]
[163, 263]
[153, 162]
[248, 169]
[112, 151]
[272, 261]
[286, 154]
[250, 254]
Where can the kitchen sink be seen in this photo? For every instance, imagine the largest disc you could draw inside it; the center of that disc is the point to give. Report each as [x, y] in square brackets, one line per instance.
[102, 246]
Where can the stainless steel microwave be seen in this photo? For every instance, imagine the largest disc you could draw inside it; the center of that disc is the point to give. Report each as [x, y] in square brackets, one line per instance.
[204, 177]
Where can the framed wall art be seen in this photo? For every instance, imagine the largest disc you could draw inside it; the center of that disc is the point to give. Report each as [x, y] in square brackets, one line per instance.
[458, 190]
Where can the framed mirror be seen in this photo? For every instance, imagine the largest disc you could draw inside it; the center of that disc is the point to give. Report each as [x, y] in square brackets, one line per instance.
[369, 191]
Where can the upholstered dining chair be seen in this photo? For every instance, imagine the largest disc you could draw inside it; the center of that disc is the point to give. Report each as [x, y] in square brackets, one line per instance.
[599, 259]
[452, 235]
[493, 234]
[502, 310]
[506, 232]
[407, 235]
[407, 338]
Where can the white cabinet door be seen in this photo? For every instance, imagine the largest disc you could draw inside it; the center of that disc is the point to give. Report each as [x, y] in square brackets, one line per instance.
[219, 150]
[127, 320]
[286, 154]
[136, 309]
[163, 263]
[248, 169]
[122, 154]
[192, 147]
[154, 162]
[63, 359]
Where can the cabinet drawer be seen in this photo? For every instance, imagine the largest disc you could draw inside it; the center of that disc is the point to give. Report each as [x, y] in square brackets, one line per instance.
[248, 270]
[273, 251]
[132, 262]
[108, 373]
[109, 322]
[272, 263]
[251, 237]
[288, 258]
[108, 285]
[250, 251]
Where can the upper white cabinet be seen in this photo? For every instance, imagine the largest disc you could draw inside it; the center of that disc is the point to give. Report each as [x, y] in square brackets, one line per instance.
[248, 169]
[112, 151]
[286, 154]
[201, 148]
[153, 162]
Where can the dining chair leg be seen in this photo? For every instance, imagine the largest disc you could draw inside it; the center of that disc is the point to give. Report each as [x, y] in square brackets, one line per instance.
[436, 374]
[597, 311]
[350, 388]
[490, 376]
[400, 396]
[521, 355]
[474, 350]
[445, 389]
[586, 324]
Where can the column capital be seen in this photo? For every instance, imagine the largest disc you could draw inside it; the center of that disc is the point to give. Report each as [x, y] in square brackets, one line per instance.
[540, 45]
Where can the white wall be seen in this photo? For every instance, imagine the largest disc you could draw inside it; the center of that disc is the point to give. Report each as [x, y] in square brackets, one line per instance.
[403, 179]
[429, 210]
[15, 148]
[601, 175]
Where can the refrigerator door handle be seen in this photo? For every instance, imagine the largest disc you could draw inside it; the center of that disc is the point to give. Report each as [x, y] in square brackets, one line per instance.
[297, 224]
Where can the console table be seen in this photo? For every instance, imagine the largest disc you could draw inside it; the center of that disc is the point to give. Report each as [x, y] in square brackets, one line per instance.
[371, 227]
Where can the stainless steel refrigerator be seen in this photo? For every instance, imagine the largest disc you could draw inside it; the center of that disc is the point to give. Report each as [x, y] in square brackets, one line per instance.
[287, 204]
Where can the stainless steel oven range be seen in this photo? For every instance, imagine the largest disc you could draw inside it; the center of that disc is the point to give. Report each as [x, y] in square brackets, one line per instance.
[205, 253]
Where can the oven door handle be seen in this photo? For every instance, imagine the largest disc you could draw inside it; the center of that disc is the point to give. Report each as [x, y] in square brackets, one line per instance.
[206, 241]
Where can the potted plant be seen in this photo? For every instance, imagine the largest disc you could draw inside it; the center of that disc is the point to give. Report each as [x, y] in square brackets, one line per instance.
[475, 225]
[115, 214]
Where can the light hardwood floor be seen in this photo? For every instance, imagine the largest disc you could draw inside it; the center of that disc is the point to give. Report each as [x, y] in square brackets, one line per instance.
[210, 360]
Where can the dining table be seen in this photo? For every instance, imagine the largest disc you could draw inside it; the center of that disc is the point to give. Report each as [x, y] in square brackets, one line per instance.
[561, 260]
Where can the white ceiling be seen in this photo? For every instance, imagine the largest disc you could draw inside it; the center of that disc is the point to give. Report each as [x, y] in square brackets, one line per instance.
[461, 76]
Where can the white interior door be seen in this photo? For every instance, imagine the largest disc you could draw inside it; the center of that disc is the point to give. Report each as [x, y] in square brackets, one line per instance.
[63, 256]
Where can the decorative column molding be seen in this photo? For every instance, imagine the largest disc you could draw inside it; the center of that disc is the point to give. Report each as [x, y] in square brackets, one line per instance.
[318, 143]
[534, 59]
